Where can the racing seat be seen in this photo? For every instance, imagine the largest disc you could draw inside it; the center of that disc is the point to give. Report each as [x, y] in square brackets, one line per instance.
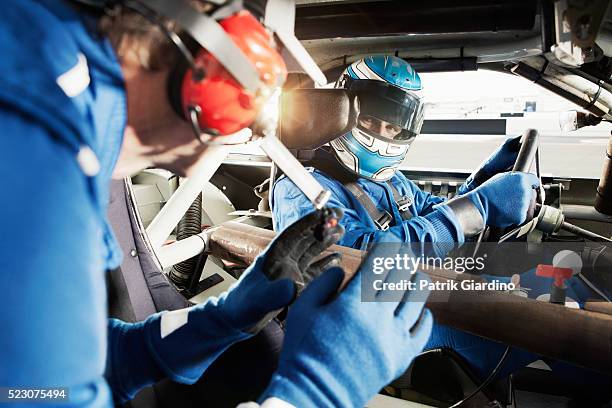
[138, 288]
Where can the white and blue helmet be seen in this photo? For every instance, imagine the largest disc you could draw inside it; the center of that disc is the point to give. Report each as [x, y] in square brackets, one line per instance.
[389, 96]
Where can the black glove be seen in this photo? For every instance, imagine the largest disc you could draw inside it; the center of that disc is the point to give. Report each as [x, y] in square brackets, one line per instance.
[293, 254]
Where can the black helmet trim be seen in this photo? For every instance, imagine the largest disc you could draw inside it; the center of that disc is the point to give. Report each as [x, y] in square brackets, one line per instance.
[405, 137]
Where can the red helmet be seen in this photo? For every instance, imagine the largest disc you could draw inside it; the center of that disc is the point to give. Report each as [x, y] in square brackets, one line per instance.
[223, 104]
[238, 60]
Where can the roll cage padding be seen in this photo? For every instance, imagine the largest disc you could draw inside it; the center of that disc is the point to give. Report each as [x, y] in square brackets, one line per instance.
[578, 336]
[311, 118]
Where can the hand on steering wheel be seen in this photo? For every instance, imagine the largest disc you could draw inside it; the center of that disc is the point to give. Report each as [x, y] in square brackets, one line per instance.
[505, 199]
[526, 160]
[501, 160]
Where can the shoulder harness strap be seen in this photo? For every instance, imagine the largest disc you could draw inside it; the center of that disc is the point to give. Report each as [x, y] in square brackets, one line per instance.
[403, 202]
[382, 219]
[324, 161]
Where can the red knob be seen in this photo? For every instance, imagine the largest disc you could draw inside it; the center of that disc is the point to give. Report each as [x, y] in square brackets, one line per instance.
[559, 274]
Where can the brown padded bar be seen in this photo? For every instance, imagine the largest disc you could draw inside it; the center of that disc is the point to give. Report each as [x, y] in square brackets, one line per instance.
[598, 306]
[578, 336]
[312, 117]
[603, 199]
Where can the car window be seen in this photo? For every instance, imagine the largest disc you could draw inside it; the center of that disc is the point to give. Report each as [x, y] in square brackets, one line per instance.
[478, 95]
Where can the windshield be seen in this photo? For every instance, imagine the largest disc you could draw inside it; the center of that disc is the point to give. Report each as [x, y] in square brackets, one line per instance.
[469, 114]
[501, 105]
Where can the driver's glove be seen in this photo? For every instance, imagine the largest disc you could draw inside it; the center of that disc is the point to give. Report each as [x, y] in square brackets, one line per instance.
[499, 161]
[501, 201]
[183, 343]
[339, 352]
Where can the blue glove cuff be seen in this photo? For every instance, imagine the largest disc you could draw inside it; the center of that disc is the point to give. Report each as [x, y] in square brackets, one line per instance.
[447, 227]
[480, 204]
[469, 213]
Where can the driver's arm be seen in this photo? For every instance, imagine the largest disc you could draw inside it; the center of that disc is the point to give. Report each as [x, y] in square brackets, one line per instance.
[440, 227]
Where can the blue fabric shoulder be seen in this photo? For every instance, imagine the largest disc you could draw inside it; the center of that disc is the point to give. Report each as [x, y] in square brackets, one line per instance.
[289, 204]
[51, 268]
[63, 76]
[35, 39]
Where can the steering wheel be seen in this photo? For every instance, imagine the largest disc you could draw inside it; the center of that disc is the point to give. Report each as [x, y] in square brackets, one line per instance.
[526, 161]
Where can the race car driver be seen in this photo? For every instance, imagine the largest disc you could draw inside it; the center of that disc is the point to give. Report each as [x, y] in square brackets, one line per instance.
[361, 171]
[79, 90]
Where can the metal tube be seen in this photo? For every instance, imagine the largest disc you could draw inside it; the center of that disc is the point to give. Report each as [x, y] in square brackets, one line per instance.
[590, 89]
[280, 18]
[164, 222]
[566, 226]
[600, 307]
[179, 251]
[584, 212]
[559, 88]
[603, 199]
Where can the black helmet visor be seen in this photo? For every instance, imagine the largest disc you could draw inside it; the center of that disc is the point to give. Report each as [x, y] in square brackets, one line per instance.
[390, 104]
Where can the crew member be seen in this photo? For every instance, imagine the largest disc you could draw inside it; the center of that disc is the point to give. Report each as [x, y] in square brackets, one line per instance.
[79, 91]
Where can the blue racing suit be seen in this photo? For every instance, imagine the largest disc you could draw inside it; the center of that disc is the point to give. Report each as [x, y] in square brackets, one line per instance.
[440, 225]
[62, 116]
[428, 224]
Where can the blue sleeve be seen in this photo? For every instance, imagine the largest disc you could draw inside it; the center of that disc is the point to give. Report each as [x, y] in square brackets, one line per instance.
[289, 204]
[52, 272]
[440, 227]
[51, 269]
[129, 364]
